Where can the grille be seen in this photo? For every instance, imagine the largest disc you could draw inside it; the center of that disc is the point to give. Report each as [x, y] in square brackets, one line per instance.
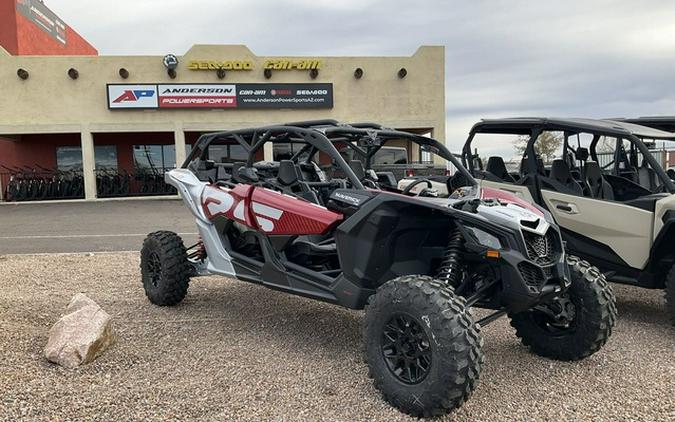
[540, 249]
[532, 274]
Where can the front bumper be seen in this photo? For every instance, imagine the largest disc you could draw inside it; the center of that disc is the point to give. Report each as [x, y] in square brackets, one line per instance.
[526, 284]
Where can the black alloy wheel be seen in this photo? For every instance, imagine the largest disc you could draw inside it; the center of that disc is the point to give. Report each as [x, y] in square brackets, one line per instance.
[406, 349]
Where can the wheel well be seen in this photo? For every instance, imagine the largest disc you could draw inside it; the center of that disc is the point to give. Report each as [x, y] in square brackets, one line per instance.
[395, 238]
[662, 255]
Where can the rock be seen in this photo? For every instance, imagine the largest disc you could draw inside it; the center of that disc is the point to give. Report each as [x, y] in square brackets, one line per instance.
[78, 302]
[81, 335]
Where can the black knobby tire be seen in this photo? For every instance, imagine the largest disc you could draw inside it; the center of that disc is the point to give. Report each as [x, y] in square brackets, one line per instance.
[670, 294]
[453, 354]
[594, 317]
[165, 268]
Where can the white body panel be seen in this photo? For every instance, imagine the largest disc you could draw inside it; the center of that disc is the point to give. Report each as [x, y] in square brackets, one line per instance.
[190, 188]
[627, 230]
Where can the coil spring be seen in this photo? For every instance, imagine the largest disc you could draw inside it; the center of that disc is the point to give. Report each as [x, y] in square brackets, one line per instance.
[450, 271]
[198, 250]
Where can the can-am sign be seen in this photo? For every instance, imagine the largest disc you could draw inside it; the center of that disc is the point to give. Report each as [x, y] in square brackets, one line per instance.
[219, 96]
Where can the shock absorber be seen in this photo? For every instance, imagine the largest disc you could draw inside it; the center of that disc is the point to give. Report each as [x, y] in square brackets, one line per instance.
[450, 269]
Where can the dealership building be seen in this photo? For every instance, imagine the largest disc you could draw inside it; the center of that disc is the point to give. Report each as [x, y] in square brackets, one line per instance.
[74, 123]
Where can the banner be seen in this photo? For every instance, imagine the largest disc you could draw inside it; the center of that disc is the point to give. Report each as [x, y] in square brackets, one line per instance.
[285, 95]
[44, 18]
[220, 96]
[197, 96]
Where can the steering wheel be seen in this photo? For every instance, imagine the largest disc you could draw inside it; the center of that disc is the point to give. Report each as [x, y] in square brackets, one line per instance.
[457, 181]
[408, 188]
[370, 183]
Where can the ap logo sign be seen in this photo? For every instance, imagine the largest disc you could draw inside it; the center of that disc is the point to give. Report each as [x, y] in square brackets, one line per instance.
[132, 96]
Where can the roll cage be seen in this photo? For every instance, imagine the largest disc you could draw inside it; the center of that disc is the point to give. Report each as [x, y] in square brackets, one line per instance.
[533, 127]
[366, 139]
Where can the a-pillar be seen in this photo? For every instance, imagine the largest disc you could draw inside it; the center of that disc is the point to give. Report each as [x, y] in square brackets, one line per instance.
[88, 164]
[179, 141]
[268, 151]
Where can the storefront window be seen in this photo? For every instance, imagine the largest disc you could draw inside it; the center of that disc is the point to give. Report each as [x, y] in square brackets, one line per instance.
[70, 158]
[285, 151]
[156, 157]
[227, 153]
[106, 157]
[149, 157]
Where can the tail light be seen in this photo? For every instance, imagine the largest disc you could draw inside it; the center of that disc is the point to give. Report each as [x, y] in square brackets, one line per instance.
[409, 173]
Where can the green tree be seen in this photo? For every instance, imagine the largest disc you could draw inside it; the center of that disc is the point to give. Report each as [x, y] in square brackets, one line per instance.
[546, 146]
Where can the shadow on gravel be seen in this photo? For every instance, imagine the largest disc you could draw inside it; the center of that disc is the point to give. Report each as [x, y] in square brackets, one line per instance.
[637, 311]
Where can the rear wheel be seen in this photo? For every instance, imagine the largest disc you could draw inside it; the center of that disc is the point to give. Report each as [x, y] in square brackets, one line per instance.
[422, 347]
[165, 268]
[670, 294]
[575, 325]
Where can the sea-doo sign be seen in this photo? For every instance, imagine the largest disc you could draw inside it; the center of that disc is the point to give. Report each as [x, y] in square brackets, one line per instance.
[220, 96]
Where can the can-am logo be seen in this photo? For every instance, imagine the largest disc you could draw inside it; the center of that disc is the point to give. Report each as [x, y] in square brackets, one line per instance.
[134, 95]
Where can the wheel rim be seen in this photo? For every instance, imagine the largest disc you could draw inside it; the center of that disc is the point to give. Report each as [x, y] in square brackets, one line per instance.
[558, 317]
[406, 349]
[154, 269]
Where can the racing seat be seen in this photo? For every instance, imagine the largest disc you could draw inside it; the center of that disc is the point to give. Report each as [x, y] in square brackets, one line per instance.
[599, 188]
[496, 167]
[290, 179]
[525, 167]
[646, 176]
[358, 169]
[562, 179]
[369, 179]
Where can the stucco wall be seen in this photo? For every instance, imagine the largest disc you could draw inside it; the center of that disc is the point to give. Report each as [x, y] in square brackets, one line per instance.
[50, 101]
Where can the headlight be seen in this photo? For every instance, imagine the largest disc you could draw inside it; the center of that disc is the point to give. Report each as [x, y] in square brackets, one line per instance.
[485, 238]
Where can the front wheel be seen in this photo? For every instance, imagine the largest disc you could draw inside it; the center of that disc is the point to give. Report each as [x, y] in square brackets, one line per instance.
[165, 268]
[422, 347]
[574, 325]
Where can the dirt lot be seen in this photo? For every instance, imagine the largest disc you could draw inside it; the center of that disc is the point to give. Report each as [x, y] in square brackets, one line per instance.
[235, 351]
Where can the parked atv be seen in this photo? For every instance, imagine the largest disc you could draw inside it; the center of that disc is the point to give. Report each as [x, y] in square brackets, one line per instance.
[606, 189]
[416, 262]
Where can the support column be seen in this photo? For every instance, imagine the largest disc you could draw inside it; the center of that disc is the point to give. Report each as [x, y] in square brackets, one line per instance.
[88, 164]
[179, 142]
[268, 151]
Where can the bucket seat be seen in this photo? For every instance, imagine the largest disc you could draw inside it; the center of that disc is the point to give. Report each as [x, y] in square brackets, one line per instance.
[599, 188]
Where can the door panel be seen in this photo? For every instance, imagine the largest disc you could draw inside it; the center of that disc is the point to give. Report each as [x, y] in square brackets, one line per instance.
[626, 230]
[521, 191]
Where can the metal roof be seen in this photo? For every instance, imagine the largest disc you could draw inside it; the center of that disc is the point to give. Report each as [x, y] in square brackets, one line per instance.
[605, 126]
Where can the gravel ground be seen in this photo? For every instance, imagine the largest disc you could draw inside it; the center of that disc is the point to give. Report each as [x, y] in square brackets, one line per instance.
[236, 351]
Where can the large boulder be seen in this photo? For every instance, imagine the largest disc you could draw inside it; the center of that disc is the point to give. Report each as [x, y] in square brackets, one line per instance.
[81, 335]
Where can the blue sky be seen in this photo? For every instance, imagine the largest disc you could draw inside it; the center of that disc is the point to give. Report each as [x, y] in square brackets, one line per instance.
[515, 58]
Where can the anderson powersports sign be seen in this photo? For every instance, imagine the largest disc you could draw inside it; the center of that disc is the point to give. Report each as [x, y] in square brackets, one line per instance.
[219, 96]
[36, 12]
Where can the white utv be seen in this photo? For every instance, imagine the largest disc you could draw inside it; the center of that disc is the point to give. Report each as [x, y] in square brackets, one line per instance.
[606, 188]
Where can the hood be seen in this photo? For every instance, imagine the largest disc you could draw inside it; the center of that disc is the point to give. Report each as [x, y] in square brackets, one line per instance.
[507, 209]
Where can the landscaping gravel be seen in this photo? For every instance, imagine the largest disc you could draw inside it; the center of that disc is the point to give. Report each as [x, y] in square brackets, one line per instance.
[237, 351]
